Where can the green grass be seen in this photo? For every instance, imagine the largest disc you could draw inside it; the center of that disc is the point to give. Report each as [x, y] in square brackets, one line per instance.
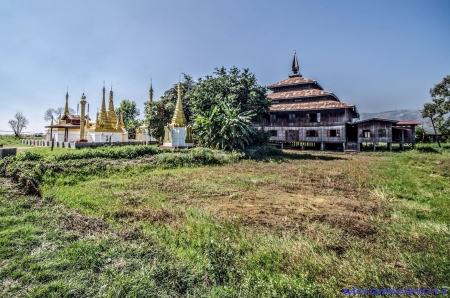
[230, 229]
[9, 141]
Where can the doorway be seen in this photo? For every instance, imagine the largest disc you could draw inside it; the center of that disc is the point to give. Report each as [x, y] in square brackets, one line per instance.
[351, 132]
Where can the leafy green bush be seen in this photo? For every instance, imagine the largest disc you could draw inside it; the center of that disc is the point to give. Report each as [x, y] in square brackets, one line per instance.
[29, 156]
[195, 157]
[32, 169]
[125, 152]
[260, 137]
[263, 152]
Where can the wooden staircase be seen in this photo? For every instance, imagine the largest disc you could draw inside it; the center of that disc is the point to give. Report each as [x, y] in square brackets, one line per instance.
[351, 148]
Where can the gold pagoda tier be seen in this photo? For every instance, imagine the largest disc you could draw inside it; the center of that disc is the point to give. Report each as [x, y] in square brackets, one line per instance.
[108, 127]
[107, 120]
[178, 134]
[179, 119]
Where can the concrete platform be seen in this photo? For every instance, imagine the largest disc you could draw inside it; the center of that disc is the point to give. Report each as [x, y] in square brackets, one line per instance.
[4, 152]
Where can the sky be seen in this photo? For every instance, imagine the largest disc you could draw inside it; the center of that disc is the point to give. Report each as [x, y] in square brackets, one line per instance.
[379, 55]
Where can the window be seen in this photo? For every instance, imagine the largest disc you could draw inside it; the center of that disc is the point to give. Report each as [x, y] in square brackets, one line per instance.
[276, 101]
[291, 117]
[314, 117]
[298, 100]
[312, 133]
[273, 133]
[366, 133]
[382, 133]
[273, 118]
[292, 135]
[333, 133]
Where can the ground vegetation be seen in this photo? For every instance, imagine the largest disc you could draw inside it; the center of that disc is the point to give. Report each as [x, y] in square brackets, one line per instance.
[215, 224]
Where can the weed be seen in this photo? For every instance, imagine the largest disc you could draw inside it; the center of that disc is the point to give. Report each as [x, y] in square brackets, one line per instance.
[303, 225]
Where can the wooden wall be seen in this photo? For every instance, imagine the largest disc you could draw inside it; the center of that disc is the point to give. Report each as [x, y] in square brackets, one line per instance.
[300, 134]
[327, 117]
[374, 127]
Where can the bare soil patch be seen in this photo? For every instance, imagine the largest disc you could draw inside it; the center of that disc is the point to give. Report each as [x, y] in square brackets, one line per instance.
[283, 196]
[85, 225]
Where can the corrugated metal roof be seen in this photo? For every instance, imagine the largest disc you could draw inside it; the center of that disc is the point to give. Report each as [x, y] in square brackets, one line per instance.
[298, 94]
[291, 81]
[315, 105]
[409, 122]
[376, 119]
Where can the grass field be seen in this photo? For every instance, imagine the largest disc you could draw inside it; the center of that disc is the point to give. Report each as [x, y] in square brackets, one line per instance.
[306, 224]
[11, 141]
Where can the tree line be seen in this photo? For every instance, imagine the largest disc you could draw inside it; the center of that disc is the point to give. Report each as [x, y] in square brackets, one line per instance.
[221, 108]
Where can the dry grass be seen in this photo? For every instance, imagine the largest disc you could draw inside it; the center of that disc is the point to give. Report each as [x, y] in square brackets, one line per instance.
[306, 226]
[279, 196]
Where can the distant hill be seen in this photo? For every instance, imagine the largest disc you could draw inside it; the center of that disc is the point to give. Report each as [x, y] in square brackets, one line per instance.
[394, 115]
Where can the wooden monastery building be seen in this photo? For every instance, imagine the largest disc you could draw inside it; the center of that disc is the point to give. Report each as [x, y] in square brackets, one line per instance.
[305, 115]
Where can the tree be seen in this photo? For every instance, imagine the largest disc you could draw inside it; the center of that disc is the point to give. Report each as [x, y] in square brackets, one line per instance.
[56, 114]
[18, 123]
[226, 128]
[158, 114]
[439, 108]
[127, 109]
[442, 90]
[421, 134]
[234, 87]
[171, 95]
[207, 128]
[434, 112]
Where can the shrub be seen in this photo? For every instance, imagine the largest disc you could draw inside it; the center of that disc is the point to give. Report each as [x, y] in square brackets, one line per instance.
[29, 156]
[263, 152]
[195, 157]
[32, 169]
[125, 152]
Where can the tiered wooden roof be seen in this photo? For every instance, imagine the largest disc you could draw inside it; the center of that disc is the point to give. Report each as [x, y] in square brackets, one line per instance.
[312, 105]
[291, 81]
[300, 93]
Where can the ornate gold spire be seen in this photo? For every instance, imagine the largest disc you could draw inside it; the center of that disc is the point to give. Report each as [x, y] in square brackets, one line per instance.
[179, 119]
[112, 116]
[103, 115]
[66, 108]
[111, 102]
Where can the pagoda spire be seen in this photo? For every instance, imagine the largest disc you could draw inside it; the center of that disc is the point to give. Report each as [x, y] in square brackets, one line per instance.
[179, 119]
[150, 92]
[111, 102]
[295, 67]
[103, 115]
[66, 108]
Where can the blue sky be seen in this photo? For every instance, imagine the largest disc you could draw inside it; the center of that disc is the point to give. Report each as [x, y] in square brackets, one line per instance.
[380, 55]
